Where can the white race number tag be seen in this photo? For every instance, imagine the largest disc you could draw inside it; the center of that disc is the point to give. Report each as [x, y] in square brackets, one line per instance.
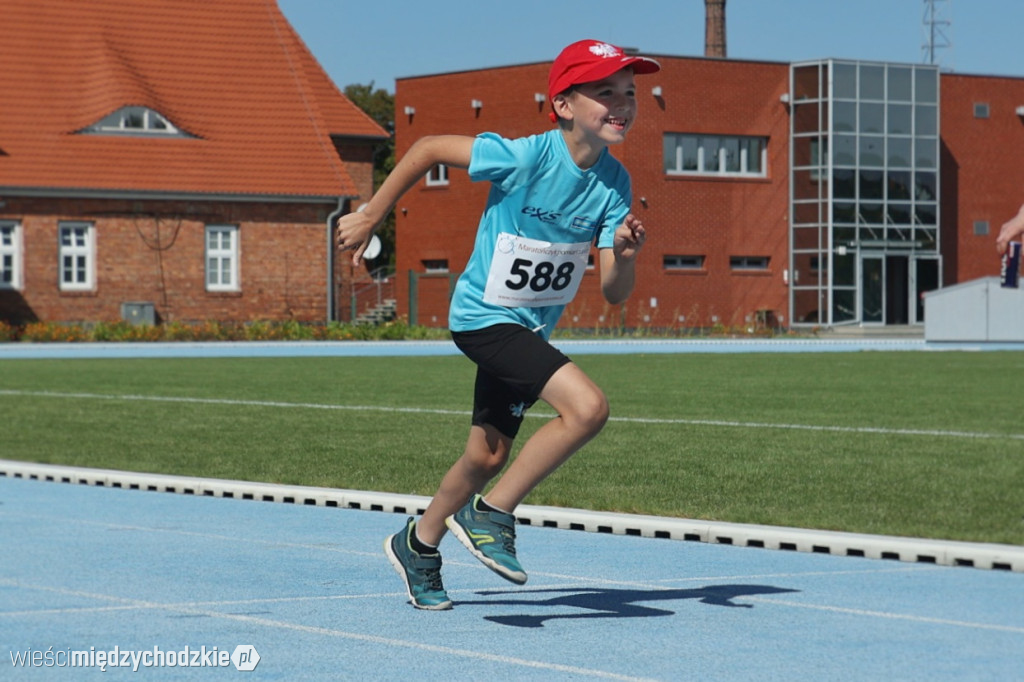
[532, 273]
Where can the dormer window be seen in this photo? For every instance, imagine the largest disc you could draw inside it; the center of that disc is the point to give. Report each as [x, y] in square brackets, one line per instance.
[135, 121]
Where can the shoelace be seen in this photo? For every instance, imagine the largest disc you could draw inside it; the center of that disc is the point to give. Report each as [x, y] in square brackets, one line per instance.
[508, 539]
[433, 579]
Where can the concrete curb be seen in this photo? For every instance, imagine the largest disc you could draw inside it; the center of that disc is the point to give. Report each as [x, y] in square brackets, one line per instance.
[940, 552]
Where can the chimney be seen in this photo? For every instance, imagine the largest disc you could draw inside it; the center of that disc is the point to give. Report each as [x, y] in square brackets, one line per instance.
[714, 28]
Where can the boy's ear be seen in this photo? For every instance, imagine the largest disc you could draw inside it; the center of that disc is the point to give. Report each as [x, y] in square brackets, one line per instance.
[560, 105]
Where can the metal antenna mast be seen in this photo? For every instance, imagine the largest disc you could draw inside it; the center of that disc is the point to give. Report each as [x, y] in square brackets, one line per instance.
[937, 29]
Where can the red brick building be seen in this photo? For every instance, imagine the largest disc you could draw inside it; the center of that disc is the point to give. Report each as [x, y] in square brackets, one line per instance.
[739, 173]
[183, 158]
[982, 128]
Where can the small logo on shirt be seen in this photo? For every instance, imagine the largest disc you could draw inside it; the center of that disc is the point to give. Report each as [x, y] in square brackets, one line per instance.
[584, 223]
[541, 214]
[517, 410]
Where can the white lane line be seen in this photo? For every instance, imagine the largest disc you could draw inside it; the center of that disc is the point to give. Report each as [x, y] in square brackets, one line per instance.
[572, 579]
[932, 433]
[665, 583]
[334, 633]
[886, 615]
[191, 533]
[204, 608]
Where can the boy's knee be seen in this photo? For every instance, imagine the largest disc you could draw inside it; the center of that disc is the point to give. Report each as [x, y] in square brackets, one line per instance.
[487, 458]
[591, 411]
[488, 464]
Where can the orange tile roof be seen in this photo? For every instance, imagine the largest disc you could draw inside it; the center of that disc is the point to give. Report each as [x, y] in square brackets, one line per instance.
[231, 72]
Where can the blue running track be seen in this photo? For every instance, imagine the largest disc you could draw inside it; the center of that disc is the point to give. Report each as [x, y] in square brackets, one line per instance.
[94, 569]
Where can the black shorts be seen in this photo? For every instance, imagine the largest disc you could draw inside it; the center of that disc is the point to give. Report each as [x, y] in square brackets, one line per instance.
[513, 366]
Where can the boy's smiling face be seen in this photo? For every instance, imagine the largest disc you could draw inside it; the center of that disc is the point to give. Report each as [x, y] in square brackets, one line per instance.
[602, 111]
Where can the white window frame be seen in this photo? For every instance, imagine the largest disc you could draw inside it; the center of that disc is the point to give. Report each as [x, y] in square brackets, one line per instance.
[749, 263]
[435, 265]
[80, 273]
[135, 120]
[221, 271]
[715, 165]
[683, 262]
[11, 255]
[438, 176]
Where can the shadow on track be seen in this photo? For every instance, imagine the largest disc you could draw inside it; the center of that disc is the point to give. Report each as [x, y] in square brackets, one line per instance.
[612, 603]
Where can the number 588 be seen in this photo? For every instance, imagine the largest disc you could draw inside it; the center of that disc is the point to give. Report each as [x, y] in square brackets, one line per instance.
[541, 276]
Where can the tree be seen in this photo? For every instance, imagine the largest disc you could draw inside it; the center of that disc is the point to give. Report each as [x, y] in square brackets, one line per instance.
[379, 105]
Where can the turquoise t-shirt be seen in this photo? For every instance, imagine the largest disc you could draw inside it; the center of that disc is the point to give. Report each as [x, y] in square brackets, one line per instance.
[534, 237]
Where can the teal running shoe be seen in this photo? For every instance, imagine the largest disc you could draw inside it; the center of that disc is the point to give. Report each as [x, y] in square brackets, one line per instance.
[421, 572]
[491, 537]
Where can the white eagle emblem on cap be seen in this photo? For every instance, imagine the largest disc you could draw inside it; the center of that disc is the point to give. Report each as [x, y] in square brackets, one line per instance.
[604, 50]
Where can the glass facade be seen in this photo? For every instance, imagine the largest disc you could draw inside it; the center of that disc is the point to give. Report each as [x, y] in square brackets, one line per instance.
[864, 191]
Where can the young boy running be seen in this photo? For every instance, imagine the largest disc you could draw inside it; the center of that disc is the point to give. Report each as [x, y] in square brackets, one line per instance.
[552, 196]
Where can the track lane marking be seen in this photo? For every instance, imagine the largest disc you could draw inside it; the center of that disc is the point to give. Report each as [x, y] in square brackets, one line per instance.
[933, 433]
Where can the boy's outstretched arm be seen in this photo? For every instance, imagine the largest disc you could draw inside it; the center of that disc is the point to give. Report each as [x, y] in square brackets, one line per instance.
[355, 229]
[618, 272]
[1012, 228]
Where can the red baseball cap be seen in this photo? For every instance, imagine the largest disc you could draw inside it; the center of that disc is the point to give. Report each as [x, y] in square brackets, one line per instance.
[592, 60]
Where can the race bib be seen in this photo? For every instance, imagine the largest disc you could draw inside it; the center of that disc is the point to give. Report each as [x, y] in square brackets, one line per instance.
[532, 273]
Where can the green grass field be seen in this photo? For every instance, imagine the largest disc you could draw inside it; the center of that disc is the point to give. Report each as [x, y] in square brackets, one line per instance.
[924, 444]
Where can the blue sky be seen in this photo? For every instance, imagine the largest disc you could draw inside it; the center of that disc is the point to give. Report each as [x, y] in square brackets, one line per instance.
[380, 40]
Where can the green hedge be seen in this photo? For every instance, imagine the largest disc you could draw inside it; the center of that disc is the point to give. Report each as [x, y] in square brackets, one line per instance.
[290, 330]
[40, 332]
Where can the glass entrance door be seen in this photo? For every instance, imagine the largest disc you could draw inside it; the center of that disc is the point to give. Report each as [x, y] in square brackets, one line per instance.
[927, 277]
[872, 288]
[891, 287]
[897, 289]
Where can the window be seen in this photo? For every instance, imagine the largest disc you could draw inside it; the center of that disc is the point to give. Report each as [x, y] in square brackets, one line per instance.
[435, 265]
[680, 262]
[872, 81]
[77, 256]
[981, 110]
[686, 154]
[900, 84]
[437, 176]
[748, 262]
[135, 121]
[981, 228]
[222, 258]
[10, 255]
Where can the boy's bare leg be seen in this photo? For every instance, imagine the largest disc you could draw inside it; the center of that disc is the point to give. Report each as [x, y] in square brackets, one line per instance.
[489, 535]
[582, 412]
[484, 457]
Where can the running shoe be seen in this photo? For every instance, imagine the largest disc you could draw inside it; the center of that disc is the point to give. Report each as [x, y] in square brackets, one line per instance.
[421, 572]
[491, 537]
